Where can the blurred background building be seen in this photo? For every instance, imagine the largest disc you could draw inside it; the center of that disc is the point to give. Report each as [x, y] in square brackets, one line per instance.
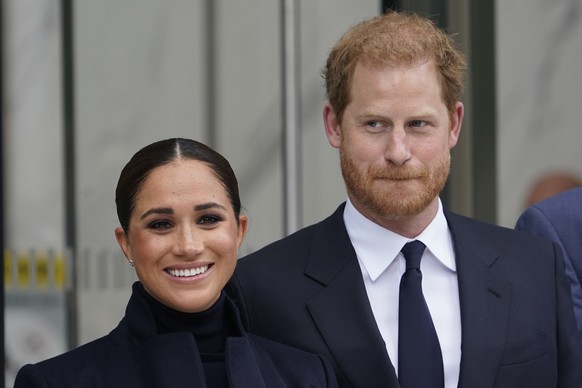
[87, 83]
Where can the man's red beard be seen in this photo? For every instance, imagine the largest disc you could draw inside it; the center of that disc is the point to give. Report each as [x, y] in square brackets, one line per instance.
[380, 192]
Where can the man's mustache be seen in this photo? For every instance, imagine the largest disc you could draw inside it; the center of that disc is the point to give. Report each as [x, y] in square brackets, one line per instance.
[398, 173]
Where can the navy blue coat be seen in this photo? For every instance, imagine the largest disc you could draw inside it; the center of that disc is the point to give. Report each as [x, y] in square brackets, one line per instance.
[134, 355]
[518, 327]
[559, 219]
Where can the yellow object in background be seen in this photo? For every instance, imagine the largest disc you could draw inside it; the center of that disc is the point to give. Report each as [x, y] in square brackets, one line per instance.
[38, 269]
[42, 269]
[60, 271]
[23, 270]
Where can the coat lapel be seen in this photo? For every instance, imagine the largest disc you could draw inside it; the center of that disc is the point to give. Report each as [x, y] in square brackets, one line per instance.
[341, 310]
[242, 366]
[485, 300]
[177, 363]
[171, 360]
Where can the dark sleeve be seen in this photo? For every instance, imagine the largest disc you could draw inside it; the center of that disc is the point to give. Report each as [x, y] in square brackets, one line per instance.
[29, 376]
[329, 373]
[534, 221]
[569, 344]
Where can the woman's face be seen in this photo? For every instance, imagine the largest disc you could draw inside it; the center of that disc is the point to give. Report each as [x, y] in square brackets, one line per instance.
[183, 236]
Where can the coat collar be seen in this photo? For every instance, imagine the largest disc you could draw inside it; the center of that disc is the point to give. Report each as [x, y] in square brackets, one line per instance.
[139, 324]
[172, 359]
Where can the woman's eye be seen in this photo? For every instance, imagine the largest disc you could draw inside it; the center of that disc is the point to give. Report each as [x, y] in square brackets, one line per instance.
[160, 225]
[209, 220]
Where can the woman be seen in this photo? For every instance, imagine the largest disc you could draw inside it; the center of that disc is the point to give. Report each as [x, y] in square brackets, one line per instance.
[179, 209]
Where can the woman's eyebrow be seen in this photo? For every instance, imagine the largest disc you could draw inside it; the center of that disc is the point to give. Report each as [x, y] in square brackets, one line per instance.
[209, 205]
[157, 210]
[167, 210]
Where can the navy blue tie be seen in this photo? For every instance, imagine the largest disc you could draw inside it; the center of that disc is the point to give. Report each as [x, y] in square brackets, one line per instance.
[420, 362]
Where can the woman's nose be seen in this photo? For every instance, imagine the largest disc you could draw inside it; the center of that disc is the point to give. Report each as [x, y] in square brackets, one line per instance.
[189, 243]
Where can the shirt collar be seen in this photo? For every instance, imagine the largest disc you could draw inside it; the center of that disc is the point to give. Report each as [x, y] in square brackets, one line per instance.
[377, 247]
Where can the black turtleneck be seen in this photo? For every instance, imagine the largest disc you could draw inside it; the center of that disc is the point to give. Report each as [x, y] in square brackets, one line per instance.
[210, 329]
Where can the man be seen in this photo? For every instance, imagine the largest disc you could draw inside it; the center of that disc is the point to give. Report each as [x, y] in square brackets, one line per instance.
[551, 184]
[559, 219]
[498, 299]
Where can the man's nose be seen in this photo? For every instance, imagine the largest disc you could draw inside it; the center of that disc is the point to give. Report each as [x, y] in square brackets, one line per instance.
[397, 147]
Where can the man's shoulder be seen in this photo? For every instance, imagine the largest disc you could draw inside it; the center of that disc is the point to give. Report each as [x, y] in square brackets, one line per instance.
[572, 196]
[489, 232]
[560, 205]
[297, 243]
[470, 224]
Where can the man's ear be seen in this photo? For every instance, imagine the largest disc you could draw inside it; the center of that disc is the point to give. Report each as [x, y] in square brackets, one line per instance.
[456, 122]
[332, 126]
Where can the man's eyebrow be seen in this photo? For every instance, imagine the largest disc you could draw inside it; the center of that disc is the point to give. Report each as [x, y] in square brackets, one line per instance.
[425, 113]
[368, 114]
[157, 210]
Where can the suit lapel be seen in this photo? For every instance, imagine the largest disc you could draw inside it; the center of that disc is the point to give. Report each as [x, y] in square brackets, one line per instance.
[485, 300]
[342, 312]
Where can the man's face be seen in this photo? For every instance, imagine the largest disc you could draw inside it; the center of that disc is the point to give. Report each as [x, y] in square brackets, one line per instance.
[394, 141]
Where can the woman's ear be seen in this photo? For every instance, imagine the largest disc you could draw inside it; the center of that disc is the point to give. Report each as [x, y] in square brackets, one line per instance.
[242, 229]
[123, 242]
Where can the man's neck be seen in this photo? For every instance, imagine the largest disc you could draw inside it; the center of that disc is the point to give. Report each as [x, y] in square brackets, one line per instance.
[407, 226]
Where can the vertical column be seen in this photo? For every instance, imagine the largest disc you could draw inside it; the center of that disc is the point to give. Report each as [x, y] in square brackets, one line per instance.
[2, 368]
[291, 115]
[210, 70]
[68, 79]
[483, 117]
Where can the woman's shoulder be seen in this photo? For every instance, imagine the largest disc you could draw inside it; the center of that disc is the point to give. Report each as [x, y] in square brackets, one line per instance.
[91, 357]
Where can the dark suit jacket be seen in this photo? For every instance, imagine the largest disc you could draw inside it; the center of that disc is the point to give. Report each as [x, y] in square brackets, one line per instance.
[133, 355]
[517, 321]
[559, 218]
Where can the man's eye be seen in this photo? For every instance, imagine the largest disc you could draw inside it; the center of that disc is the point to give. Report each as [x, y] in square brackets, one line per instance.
[375, 126]
[417, 123]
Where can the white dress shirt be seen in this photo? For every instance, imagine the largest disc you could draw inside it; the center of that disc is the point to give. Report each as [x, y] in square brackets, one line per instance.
[382, 265]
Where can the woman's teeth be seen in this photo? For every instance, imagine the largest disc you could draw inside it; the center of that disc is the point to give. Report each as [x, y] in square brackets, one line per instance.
[188, 272]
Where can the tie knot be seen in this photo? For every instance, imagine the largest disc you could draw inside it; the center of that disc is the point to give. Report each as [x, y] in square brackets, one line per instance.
[413, 253]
